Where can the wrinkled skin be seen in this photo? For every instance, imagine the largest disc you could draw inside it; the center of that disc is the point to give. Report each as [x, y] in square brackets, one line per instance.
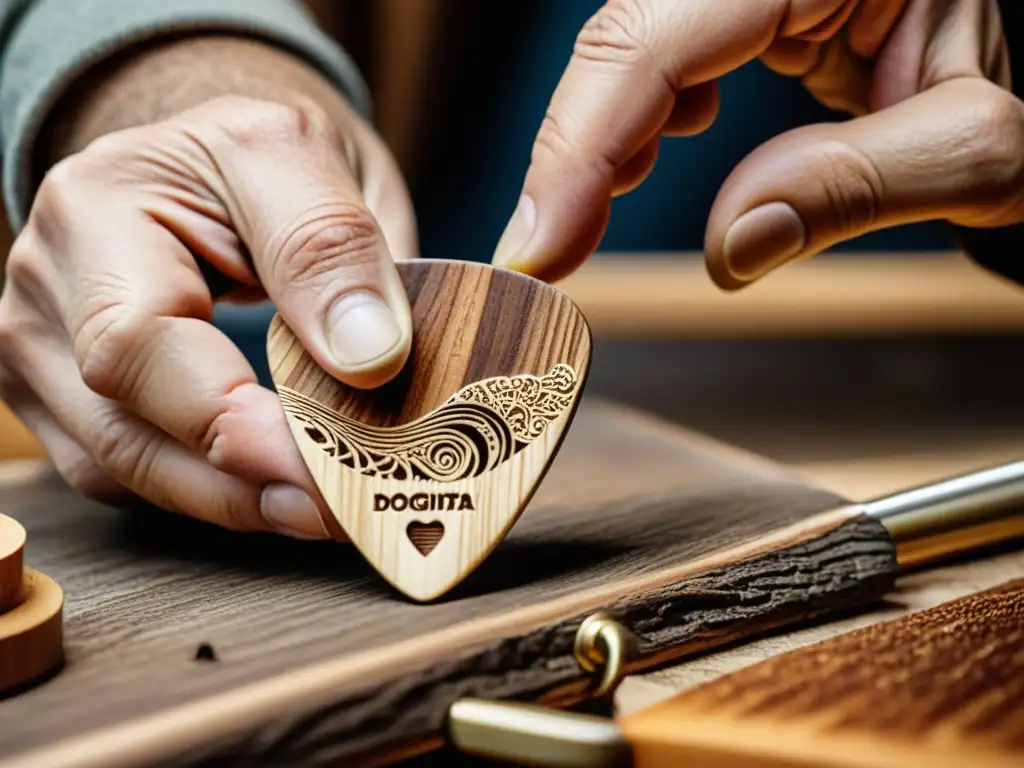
[935, 132]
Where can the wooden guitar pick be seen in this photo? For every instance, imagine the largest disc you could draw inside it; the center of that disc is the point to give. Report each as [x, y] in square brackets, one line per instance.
[427, 474]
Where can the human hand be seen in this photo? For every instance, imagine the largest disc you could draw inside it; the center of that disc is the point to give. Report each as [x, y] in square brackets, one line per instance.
[107, 351]
[936, 134]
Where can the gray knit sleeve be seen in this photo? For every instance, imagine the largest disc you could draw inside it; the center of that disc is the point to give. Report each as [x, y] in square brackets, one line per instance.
[46, 44]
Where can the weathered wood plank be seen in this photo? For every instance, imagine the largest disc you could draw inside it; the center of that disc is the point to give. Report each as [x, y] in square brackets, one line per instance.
[692, 543]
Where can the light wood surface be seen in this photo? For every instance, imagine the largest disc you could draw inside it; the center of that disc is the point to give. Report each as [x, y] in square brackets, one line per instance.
[693, 544]
[866, 478]
[835, 295]
[938, 687]
[427, 474]
[12, 560]
[31, 633]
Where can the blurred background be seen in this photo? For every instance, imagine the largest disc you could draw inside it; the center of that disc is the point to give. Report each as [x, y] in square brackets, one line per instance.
[892, 344]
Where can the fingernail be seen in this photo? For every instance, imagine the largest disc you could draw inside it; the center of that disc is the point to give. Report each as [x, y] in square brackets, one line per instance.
[292, 512]
[517, 232]
[361, 328]
[763, 239]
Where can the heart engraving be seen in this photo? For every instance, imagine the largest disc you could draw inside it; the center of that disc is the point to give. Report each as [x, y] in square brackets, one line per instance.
[461, 436]
[425, 536]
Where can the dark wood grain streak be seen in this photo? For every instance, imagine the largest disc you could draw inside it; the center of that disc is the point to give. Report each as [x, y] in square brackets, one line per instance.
[504, 299]
[627, 503]
[473, 322]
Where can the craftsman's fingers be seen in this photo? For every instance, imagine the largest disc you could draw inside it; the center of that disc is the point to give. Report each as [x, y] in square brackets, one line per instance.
[916, 160]
[123, 303]
[131, 451]
[143, 458]
[621, 89]
[287, 179]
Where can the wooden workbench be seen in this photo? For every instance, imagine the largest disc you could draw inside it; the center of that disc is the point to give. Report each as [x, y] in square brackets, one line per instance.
[868, 376]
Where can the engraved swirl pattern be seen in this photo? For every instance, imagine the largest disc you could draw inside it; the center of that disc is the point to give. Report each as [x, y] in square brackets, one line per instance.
[475, 430]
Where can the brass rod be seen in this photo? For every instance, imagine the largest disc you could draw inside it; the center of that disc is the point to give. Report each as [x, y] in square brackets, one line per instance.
[954, 516]
[533, 735]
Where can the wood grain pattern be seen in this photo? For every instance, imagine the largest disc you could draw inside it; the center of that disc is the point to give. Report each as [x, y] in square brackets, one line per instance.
[692, 544]
[940, 687]
[459, 440]
[12, 560]
[31, 633]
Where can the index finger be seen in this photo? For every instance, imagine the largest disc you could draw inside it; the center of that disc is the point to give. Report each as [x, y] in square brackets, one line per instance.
[630, 61]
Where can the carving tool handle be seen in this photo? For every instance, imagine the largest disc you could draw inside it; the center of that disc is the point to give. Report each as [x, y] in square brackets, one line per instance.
[942, 520]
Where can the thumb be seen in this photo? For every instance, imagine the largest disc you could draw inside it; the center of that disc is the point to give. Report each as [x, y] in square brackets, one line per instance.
[918, 160]
[321, 254]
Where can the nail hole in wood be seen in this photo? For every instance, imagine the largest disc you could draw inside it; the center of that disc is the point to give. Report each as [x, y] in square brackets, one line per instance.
[205, 652]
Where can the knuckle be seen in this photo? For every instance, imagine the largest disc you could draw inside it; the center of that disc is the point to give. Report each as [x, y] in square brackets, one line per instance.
[214, 436]
[58, 195]
[256, 123]
[560, 138]
[25, 265]
[123, 450]
[553, 137]
[111, 146]
[105, 346]
[113, 447]
[618, 33]
[995, 153]
[344, 239]
[853, 186]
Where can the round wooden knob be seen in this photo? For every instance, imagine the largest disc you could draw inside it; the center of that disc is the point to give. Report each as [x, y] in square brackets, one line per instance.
[32, 632]
[12, 547]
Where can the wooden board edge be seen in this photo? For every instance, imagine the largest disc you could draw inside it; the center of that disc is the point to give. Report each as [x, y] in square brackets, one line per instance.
[654, 295]
[226, 717]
